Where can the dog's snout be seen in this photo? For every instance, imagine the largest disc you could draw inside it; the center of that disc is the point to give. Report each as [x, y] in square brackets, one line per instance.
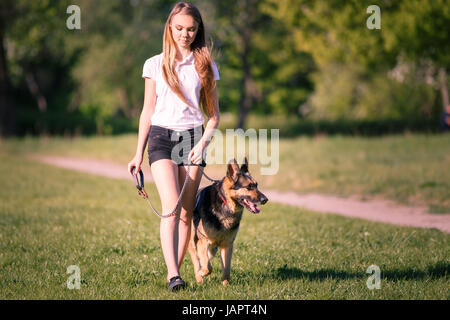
[263, 199]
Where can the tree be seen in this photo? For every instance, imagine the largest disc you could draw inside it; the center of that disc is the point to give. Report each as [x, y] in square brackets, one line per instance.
[7, 108]
[334, 32]
[421, 33]
[33, 57]
[120, 36]
[236, 23]
[263, 71]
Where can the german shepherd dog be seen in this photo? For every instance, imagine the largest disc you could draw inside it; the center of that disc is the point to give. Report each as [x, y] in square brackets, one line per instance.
[217, 214]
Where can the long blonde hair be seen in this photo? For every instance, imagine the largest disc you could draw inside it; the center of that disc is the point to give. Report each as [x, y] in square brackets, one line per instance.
[203, 61]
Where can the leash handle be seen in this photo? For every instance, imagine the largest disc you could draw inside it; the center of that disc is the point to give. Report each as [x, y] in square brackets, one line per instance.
[139, 183]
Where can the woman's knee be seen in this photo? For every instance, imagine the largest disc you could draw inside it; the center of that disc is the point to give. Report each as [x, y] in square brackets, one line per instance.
[186, 214]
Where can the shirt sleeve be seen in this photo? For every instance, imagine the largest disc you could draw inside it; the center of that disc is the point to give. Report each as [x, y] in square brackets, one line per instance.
[215, 71]
[149, 69]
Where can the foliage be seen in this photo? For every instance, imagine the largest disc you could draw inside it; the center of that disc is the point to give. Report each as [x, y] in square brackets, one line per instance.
[346, 93]
[355, 63]
[300, 58]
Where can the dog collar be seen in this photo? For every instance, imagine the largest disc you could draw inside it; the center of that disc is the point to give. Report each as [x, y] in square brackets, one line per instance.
[223, 199]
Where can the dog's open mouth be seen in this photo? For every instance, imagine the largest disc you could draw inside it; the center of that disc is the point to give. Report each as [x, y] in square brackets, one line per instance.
[250, 206]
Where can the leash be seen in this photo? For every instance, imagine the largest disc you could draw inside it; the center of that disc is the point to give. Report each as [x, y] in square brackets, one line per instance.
[210, 179]
[144, 194]
[139, 181]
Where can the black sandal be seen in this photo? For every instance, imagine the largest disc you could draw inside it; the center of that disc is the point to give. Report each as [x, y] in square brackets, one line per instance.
[176, 283]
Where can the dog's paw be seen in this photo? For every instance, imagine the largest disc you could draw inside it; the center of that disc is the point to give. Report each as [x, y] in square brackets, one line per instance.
[205, 272]
[199, 278]
[225, 283]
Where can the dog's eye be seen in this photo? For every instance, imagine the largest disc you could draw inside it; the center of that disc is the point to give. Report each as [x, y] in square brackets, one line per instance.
[252, 186]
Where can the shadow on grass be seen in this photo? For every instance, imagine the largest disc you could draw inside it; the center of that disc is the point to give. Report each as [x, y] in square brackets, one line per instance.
[440, 270]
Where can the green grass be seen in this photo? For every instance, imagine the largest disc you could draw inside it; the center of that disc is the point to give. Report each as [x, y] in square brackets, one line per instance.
[409, 169]
[52, 218]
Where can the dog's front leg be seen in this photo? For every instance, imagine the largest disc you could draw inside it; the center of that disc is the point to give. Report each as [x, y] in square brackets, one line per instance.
[202, 251]
[225, 258]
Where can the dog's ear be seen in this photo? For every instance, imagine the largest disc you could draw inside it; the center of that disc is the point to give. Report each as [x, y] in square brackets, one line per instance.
[244, 167]
[232, 170]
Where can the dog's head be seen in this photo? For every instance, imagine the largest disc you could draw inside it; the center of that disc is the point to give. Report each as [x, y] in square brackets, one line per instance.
[242, 188]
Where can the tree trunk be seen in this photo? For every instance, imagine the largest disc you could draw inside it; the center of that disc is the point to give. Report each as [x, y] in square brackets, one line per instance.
[246, 100]
[35, 91]
[444, 88]
[248, 88]
[7, 110]
[125, 101]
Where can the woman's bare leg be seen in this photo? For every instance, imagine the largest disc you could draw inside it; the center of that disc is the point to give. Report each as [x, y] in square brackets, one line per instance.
[165, 175]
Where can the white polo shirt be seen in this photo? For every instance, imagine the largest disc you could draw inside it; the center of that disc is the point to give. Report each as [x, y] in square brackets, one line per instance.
[170, 111]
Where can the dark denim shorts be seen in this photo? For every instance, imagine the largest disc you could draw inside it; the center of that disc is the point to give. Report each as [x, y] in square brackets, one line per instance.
[166, 143]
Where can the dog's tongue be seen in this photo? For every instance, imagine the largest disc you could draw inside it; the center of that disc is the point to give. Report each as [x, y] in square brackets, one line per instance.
[254, 208]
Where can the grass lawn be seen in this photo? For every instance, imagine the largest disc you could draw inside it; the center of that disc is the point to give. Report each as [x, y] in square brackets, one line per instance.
[52, 218]
[409, 169]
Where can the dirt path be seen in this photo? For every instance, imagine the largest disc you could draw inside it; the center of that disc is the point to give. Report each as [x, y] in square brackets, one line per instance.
[374, 210]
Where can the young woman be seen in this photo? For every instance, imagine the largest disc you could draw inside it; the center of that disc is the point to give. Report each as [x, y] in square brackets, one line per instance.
[177, 82]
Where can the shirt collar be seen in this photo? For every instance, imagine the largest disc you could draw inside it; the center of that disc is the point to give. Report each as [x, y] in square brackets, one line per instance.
[188, 59]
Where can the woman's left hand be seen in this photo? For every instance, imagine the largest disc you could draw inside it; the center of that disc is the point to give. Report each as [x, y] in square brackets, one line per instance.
[197, 153]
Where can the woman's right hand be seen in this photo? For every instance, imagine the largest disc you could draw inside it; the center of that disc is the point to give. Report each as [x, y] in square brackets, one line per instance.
[135, 163]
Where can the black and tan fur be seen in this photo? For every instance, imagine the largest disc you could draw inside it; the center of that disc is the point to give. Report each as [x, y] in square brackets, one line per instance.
[215, 223]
